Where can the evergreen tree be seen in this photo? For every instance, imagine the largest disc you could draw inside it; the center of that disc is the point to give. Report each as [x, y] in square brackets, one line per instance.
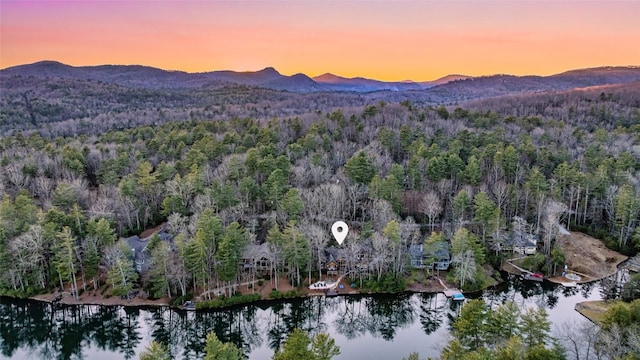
[360, 169]
[121, 275]
[217, 350]
[296, 252]
[461, 205]
[292, 204]
[230, 251]
[472, 172]
[324, 347]
[469, 327]
[65, 260]
[486, 213]
[155, 351]
[296, 347]
[535, 327]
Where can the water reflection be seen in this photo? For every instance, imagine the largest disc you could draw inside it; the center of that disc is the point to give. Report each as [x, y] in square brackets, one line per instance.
[385, 325]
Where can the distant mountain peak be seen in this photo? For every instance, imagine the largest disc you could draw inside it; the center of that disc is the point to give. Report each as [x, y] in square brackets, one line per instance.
[329, 78]
[269, 70]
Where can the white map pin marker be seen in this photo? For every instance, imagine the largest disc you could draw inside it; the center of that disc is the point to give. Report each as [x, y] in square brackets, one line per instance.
[340, 231]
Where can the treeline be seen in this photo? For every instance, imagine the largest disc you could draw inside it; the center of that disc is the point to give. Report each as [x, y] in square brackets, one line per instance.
[394, 172]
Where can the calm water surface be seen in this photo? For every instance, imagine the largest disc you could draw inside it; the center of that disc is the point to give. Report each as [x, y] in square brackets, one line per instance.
[365, 327]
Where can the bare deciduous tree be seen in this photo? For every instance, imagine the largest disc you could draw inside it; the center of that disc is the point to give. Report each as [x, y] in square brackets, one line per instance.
[579, 339]
[431, 206]
[553, 210]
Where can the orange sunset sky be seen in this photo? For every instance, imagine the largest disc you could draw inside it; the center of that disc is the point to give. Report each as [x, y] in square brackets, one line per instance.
[387, 40]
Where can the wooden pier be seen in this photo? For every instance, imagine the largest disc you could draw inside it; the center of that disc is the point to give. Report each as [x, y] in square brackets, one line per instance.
[526, 274]
[451, 293]
[633, 264]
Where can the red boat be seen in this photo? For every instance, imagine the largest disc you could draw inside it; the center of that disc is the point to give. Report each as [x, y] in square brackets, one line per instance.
[533, 277]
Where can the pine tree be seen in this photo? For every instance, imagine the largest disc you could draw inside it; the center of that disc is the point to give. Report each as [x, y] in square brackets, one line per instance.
[360, 169]
[292, 204]
[122, 276]
[324, 347]
[229, 252]
[217, 350]
[296, 252]
[469, 327]
[486, 213]
[155, 351]
[295, 347]
[65, 260]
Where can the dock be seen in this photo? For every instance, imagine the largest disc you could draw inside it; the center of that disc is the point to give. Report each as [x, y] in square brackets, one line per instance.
[633, 264]
[526, 274]
[451, 293]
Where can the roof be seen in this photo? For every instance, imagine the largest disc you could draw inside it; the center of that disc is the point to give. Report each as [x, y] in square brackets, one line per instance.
[518, 238]
[416, 250]
[442, 254]
[136, 244]
[333, 254]
[255, 251]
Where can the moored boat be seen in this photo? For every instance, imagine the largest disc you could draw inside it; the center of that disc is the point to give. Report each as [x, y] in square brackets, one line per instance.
[323, 285]
[533, 277]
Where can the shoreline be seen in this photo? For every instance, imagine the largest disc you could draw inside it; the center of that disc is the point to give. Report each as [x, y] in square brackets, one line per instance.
[92, 299]
[430, 286]
[561, 280]
[593, 310]
[591, 260]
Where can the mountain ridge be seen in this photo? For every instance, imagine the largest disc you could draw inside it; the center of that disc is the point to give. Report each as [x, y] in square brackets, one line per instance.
[269, 77]
[457, 86]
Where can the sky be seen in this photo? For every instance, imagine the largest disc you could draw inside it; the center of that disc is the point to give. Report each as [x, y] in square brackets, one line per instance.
[385, 40]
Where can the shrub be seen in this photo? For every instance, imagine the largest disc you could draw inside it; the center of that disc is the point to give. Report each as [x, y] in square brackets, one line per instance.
[275, 294]
[534, 263]
[230, 301]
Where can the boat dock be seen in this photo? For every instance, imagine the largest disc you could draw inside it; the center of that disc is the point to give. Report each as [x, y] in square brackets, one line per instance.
[633, 264]
[526, 274]
[451, 293]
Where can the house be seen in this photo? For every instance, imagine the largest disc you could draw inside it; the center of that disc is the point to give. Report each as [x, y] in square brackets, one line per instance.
[335, 261]
[441, 260]
[436, 256]
[257, 259]
[140, 252]
[416, 256]
[520, 242]
[354, 259]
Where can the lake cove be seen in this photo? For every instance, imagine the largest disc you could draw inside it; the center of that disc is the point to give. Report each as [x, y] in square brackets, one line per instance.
[376, 327]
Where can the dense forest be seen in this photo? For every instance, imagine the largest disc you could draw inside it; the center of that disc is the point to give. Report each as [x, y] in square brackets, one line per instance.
[398, 173]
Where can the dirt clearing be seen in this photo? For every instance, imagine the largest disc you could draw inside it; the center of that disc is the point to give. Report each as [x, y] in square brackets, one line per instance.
[587, 257]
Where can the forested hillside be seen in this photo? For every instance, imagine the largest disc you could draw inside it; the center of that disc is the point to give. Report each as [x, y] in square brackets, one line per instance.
[61, 100]
[394, 171]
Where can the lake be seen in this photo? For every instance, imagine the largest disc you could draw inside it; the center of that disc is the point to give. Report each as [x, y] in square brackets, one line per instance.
[373, 327]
